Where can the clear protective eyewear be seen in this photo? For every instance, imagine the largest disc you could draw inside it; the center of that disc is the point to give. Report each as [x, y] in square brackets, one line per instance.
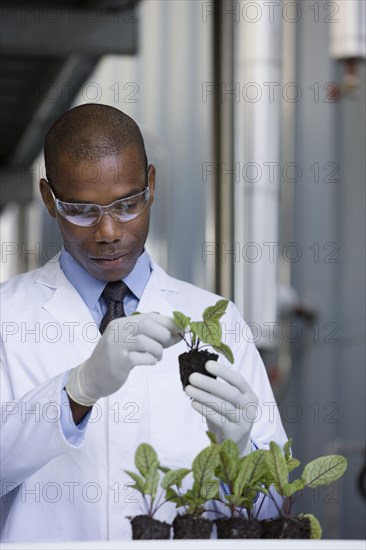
[88, 214]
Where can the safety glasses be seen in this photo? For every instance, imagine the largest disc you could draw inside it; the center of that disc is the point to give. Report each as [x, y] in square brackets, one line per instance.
[87, 214]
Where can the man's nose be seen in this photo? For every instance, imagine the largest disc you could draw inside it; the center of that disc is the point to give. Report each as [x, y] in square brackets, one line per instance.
[108, 229]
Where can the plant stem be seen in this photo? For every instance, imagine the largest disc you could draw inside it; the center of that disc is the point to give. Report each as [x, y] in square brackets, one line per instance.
[290, 503]
[158, 504]
[147, 507]
[186, 341]
[274, 501]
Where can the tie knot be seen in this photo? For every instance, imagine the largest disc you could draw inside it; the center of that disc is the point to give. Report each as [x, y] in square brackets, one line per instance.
[115, 291]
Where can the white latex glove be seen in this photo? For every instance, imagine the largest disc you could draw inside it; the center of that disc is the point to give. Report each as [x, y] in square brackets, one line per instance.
[126, 342]
[229, 408]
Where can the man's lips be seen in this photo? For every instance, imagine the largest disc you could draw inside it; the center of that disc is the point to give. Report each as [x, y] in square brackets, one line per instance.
[109, 256]
[112, 261]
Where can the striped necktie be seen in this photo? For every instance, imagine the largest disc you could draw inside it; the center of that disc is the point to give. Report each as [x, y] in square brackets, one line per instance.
[113, 295]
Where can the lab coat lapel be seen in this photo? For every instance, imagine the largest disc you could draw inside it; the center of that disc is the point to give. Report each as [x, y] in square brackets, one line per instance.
[77, 319]
[155, 296]
[67, 307]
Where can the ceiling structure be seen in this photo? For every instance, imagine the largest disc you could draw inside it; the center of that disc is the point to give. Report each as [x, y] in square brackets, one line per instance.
[48, 50]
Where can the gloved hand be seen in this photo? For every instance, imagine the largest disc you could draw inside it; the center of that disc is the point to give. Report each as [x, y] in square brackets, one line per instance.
[229, 408]
[126, 342]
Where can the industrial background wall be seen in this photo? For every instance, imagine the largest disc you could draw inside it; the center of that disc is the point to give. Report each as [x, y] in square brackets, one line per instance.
[328, 379]
[184, 85]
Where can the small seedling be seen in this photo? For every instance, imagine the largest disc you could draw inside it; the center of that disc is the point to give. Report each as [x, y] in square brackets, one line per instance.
[241, 477]
[205, 487]
[199, 335]
[321, 471]
[146, 483]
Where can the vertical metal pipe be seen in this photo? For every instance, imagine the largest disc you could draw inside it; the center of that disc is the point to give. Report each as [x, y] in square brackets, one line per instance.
[257, 150]
[224, 20]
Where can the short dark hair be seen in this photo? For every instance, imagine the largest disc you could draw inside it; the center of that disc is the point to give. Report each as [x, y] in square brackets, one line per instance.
[90, 132]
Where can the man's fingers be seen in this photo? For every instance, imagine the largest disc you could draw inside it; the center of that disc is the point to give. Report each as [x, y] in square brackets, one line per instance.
[220, 415]
[171, 335]
[213, 386]
[164, 321]
[142, 358]
[212, 405]
[158, 327]
[145, 344]
[229, 375]
[155, 331]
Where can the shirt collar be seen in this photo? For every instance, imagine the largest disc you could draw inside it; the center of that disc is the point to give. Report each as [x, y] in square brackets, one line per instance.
[91, 288]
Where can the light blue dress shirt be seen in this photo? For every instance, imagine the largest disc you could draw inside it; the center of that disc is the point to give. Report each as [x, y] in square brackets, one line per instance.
[90, 289]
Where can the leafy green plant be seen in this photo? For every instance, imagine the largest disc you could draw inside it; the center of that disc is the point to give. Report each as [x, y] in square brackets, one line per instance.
[205, 485]
[241, 475]
[198, 334]
[321, 471]
[244, 477]
[147, 481]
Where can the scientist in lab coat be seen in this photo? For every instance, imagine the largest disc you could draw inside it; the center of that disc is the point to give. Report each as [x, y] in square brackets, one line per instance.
[76, 403]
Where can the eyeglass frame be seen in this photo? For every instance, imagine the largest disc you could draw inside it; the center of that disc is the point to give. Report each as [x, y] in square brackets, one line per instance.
[102, 209]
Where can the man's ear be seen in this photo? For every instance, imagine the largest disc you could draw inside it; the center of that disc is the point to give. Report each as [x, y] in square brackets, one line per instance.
[151, 179]
[47, 197]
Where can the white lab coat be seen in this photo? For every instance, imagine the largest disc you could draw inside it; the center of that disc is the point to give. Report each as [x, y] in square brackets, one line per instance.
[66, 490]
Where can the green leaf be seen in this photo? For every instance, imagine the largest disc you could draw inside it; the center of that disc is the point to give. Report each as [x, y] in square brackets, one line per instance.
[164, 469]
[267, 479]
[225, 351]
[209, 333]
[203, 466]
[205, 484]
[277, 468]
[172, 496]
[209, 490]
[315, 527]
[190, 497]
[287, 450]
[145, 459]
[174, 477]
[231, 448]
[229, 461]
[193, 502]
[294, 487]
[292, 463]
[251, 470]
[181, 320]
[139, 481]
[324, 470]
[214, 313]
[151, 481]
[212, 438]
[247, 499]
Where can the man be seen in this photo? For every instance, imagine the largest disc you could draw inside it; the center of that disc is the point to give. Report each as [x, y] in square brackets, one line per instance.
[76, 404]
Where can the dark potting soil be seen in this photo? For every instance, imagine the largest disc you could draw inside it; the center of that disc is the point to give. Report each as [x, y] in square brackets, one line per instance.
[144, 527]
[190, 527]
[286, 528]
[238, 528]
[194, 361]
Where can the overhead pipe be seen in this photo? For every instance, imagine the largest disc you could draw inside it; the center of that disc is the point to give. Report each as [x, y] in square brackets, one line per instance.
[257, 157]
